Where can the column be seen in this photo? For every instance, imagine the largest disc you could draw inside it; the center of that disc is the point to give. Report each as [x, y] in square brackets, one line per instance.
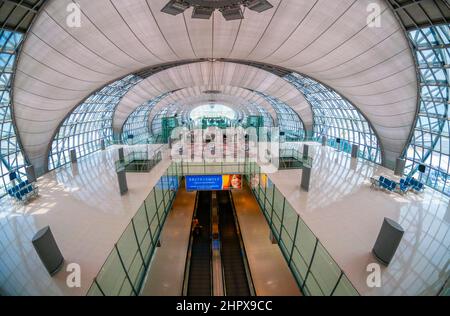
[400, 167]
[73, 156]
[306, 178]
[122, 178]
[355, 150]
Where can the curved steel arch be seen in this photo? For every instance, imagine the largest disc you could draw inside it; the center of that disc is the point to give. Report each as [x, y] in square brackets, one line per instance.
[273, 69]
[427, 26]
[17, 18]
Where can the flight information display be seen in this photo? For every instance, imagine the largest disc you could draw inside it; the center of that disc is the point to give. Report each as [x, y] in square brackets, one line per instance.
[213, 182]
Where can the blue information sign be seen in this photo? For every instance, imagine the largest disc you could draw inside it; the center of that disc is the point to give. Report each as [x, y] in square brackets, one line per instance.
[204, 183]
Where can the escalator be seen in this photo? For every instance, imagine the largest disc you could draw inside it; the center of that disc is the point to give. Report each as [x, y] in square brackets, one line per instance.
[199, 282]
[236, 273]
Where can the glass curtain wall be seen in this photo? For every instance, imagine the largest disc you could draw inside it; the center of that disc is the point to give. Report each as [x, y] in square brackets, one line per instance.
[136, 129]
[89, 124]
[335, 118]
[288, 120]
[430, 145]
[11, 158]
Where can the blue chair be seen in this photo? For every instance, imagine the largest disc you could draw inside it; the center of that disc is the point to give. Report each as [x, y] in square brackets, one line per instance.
[386, 183]
[393, 186]
[18, 196]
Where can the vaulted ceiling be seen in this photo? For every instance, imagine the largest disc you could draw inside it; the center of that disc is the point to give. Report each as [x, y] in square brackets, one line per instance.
[330, 41]
[230, 96]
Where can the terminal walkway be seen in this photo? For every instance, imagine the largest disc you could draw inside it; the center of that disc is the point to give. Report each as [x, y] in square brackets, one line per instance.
[270, 273]
[168, 264]
[251, 263]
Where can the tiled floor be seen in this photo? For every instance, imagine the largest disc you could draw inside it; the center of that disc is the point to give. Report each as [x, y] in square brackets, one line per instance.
[346, 215]
[87, 215]
[270, 272]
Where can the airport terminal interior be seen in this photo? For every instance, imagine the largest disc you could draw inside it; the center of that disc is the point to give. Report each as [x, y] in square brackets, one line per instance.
[213, 148]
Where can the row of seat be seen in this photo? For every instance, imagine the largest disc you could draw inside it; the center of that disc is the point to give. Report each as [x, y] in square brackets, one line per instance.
[23, 191]
[403, 187]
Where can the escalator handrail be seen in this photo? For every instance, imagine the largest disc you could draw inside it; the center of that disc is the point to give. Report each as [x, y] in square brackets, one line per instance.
[243, 250]
[211, 245]
[187, 266]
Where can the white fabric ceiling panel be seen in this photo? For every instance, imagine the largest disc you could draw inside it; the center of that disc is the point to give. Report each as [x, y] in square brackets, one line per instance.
[225, 74]
[326, 40]
[242, 98]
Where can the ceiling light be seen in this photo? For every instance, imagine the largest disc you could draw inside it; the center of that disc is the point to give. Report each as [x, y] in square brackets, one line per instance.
[259, 5]
[175, 7]
[202, 13]
[212, 92]
[232, 13]
[203, 9]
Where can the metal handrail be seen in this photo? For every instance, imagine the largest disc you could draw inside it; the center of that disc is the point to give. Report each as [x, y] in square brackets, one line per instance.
[184, 289]
[243, 250]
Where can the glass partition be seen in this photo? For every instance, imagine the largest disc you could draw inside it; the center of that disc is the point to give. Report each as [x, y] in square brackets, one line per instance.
[124, 271]
[314, 269]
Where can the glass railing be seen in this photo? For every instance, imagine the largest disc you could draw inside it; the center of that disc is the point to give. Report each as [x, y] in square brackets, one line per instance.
[140, 161]
[296, 154]
[316, 273]
[200, 168]
[125, 268]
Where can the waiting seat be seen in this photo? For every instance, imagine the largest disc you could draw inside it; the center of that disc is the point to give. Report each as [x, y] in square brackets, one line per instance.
[24, 191]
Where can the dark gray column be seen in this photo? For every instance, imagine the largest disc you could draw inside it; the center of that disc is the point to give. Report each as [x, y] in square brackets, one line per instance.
[102, 144]
[122, 178]
[31, 174]
[306, 178]
[305, 151]
[355, 149]
[324, 140]
[388, 240]
[400, 167]
[121, 154]
[45, 245]
[73, 156]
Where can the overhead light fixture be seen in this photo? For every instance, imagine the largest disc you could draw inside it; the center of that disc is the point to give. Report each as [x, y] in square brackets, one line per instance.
[212, 92]
[202, 13]
[203, 9]
[175, 7]
[232, 13]
[259, 5]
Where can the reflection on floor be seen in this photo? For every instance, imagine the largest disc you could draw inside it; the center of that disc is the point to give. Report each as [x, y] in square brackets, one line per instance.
[87, 215]
[166, 273]
[346, 215]
[270, 273]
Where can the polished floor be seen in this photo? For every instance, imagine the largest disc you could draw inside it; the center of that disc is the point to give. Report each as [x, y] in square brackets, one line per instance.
[346, 215]
[87, 215]
[166, 273]
[270, 273]
[82, 205]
